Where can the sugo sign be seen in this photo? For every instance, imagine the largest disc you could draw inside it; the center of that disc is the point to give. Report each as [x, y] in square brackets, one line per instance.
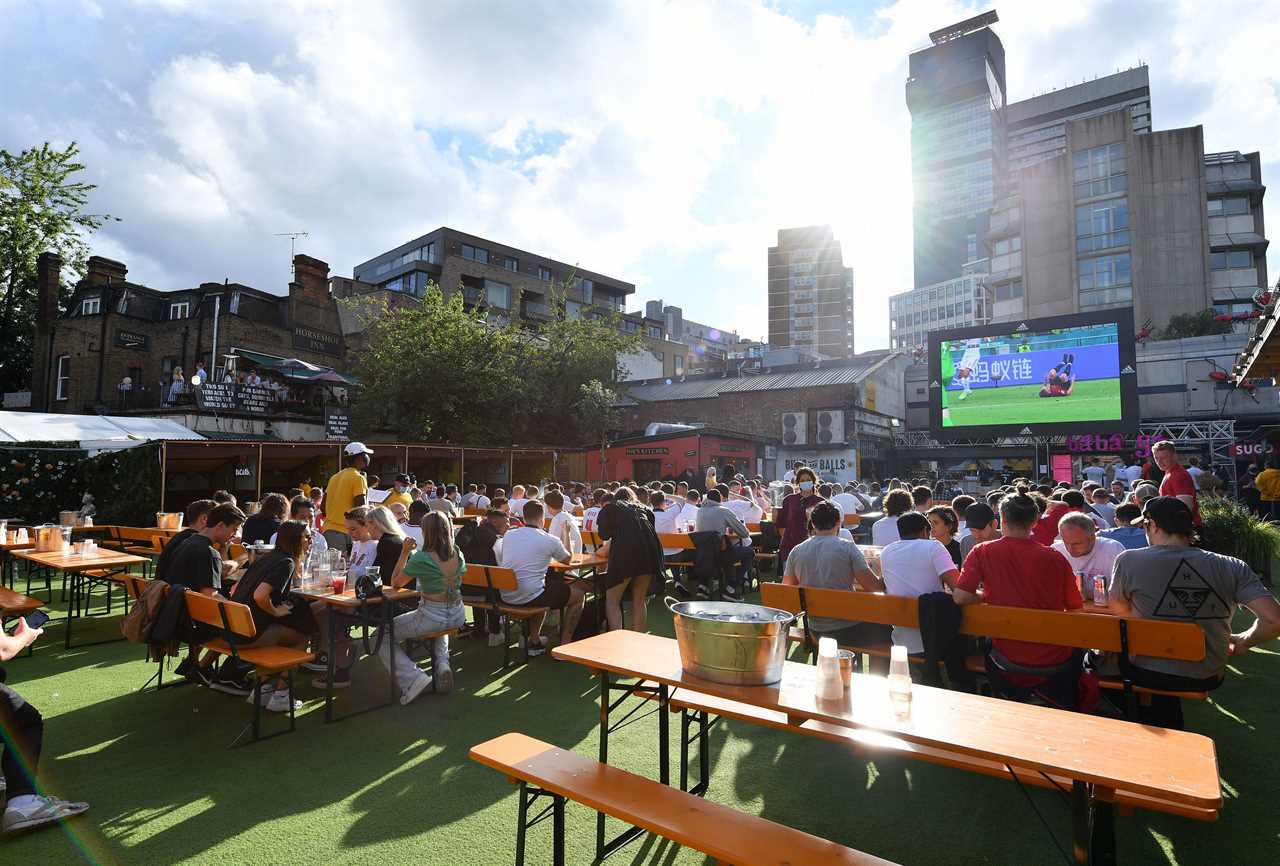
[1251, 450]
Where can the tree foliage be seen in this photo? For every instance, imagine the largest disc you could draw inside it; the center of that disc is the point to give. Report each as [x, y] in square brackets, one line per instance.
[440, 372]
[41, 210]
[1201, 324]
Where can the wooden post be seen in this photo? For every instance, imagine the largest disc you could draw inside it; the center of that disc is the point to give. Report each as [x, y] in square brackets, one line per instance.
[258, 473]
[164, 466]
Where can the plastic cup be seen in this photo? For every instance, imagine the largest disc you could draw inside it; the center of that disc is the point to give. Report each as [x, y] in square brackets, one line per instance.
[339, 584]
[845, 658]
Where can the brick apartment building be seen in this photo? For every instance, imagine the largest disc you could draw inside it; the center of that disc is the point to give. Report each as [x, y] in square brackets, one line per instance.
[115, 329]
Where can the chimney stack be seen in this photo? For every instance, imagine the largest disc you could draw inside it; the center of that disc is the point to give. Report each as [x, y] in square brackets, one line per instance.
[310, 280]
[48, 284]
[102, 271]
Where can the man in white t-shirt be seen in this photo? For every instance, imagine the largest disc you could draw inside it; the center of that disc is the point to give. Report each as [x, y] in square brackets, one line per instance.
[848, 501]
[666, 521]
[912, 567]
[528, 552]
[1089, 554]
[1133, 473]
[599, 498]
[563, 526]
[689, 511]
[518, 499]
[1094, 472]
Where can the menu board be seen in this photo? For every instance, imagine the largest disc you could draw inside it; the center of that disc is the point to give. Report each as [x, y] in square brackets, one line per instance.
[234, 398]
[337, 425]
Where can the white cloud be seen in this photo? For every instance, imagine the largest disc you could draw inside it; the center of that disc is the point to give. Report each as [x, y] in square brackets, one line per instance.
[684, 134]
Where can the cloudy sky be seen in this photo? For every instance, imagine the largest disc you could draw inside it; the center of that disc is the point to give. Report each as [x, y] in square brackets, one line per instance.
[660, 142]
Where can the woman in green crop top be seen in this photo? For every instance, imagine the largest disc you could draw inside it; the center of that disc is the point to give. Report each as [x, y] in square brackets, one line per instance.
[438, 569]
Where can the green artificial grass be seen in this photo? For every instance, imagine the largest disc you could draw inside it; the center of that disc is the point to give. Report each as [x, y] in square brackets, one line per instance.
[395, 785]
[1094, 400]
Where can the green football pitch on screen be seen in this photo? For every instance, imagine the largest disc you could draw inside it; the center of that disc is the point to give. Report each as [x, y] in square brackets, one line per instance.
[1096, 400]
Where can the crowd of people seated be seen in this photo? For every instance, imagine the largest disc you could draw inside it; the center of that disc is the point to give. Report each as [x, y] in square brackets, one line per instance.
[1116, 546]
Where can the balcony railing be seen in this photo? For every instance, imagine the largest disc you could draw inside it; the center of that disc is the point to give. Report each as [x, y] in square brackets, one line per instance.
[536, 310]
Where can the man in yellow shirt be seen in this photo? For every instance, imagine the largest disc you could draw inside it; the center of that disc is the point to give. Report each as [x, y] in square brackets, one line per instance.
[345, 491]
[1268, 484]
[400, 494]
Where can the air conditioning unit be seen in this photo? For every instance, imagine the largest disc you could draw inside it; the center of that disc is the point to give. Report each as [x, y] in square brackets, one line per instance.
[795, 428]
[830, 427]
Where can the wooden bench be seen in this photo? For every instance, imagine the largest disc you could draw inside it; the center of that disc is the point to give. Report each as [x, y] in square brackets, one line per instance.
[1182, 641]
[696, 708]
[731, 837]
[494, 579]
[234, 620]
[15, 604]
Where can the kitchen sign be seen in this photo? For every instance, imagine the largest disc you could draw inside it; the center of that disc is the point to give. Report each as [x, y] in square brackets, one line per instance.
[642, 451]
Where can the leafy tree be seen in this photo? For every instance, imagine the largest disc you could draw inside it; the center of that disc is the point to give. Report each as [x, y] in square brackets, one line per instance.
[595, 408]
[41, 210]
[438, 372]
[1201, 324]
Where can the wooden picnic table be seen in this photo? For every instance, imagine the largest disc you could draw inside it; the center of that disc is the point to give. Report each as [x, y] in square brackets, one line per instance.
[101, 567]
[1099, 755]
[347, 603]
[8, 570]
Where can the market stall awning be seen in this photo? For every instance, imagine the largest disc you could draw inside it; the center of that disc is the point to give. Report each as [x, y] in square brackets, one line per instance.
[95, 432]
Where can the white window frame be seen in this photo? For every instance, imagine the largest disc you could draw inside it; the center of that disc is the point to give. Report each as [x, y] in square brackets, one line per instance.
[184, 306]
[91, 306]
[62, 378]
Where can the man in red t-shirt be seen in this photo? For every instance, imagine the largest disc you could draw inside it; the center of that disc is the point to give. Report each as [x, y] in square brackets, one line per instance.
[1045, 530]
[1017, 571]
[1177, 480]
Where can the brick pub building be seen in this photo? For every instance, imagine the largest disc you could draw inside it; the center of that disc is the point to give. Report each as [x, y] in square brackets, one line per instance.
[115, 329]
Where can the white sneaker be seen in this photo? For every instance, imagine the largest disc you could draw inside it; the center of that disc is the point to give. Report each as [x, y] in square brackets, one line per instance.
[417, 687]
[38, 812]
[498, 639]
[267, 693]
[279, 702]
[444, 678]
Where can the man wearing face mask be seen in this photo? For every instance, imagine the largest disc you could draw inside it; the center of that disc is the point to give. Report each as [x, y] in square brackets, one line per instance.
[400, 494]
[793, 516]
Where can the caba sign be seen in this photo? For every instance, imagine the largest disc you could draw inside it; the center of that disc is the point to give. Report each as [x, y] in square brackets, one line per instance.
[1093, 444]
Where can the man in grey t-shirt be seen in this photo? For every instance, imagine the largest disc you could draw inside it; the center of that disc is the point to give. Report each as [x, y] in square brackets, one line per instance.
[1171, 580]
[827, 561]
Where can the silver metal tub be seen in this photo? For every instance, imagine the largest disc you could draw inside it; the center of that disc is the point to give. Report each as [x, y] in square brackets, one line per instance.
[728, 642]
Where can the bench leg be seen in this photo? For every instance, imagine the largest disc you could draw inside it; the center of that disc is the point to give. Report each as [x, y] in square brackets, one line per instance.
[528, 796]
[1093, 824]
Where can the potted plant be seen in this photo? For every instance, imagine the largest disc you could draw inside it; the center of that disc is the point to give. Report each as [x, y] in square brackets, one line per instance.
[1230, 528]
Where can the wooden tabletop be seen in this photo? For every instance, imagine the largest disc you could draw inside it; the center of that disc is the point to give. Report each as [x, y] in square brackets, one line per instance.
[580, 560]
[75, 562]
[26, 545]
[348, 597]
[1172, 765]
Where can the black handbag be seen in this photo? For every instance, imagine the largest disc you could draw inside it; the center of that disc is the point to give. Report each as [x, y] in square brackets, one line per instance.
[368, 586]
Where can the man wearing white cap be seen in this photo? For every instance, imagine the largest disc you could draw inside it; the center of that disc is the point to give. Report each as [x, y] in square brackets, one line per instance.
[345, 491]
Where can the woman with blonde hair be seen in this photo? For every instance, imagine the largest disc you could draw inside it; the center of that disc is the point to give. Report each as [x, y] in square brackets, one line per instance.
[437, 569]
[381, 527]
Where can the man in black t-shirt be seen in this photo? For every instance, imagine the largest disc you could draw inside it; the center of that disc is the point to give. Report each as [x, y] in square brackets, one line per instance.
[194, 518]
[197, 565]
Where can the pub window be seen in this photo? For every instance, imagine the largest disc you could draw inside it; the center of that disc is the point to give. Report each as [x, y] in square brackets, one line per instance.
[63, 378]
[179, 309]
[90, 306]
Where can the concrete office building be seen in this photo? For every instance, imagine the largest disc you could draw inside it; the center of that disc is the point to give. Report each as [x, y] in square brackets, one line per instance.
[955, 92]
[810, 293]
[1123, 218]
[955, 303]
[509, 281]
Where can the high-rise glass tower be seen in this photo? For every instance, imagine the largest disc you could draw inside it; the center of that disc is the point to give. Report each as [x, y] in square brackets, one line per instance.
[955, 92]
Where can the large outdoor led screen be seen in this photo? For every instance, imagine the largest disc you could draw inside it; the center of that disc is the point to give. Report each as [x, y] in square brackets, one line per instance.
[1038, 376]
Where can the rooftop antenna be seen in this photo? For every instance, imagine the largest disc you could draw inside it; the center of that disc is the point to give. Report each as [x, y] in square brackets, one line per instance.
[293, 243]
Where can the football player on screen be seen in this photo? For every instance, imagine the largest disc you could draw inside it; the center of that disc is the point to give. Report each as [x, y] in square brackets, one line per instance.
[1060, 379]
[968, 363]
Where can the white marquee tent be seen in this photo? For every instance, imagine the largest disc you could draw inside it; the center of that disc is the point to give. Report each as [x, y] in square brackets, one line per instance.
[91, 432]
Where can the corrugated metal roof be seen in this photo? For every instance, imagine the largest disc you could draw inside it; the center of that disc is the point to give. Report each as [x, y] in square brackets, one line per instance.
[706, 388]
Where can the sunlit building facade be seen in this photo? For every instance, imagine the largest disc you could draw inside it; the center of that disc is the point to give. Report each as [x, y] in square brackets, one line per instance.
[810, 293]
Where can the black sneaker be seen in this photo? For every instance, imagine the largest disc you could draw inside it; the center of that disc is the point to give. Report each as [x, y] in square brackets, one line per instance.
[319, 665]
[733, 593]
[186, 668]
[231, 684]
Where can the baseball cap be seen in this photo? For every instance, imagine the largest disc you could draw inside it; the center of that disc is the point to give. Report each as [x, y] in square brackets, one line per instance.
[1169, 513]
[404, 479]
[354, 448]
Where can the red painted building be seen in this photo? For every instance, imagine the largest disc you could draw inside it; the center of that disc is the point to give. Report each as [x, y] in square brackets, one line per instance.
[668, 456]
